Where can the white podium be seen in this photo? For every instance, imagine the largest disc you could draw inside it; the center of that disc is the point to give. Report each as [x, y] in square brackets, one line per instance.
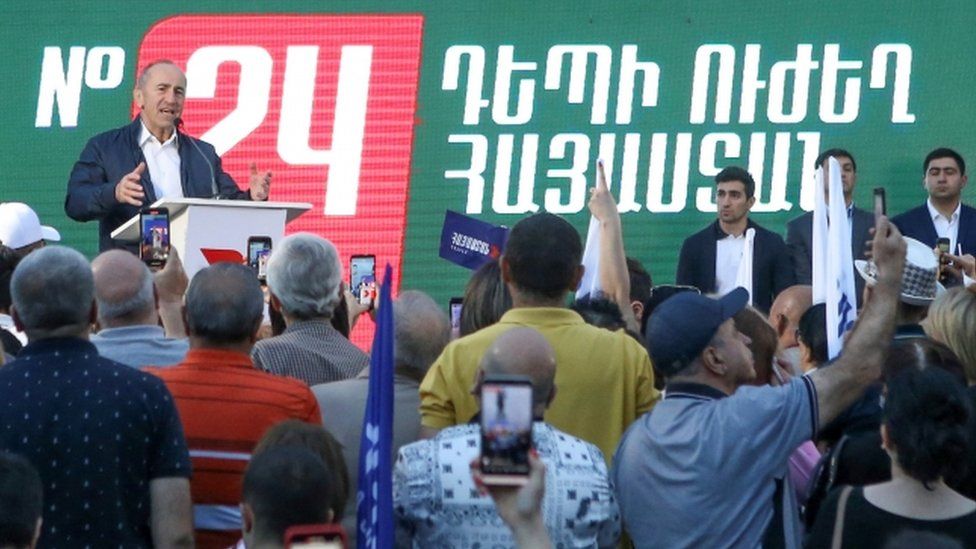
[204, 223]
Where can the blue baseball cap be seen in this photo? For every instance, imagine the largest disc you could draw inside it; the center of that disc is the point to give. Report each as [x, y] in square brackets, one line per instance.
[681, 327]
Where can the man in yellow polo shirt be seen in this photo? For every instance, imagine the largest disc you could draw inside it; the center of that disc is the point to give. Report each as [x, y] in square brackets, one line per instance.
[604, 379]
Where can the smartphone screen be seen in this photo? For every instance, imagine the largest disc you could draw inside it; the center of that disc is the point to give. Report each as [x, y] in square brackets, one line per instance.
[880, 204]
[258, 252]
[943, 245]
[154, 236]
[506, 429]
[456, 304]
[362, 278]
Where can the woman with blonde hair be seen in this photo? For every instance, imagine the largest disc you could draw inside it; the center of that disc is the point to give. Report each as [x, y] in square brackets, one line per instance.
[952, 322]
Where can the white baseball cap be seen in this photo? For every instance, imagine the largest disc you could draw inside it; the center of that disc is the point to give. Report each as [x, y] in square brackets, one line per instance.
[20, 226]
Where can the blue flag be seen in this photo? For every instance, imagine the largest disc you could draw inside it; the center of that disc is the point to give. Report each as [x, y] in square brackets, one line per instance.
[374, 500]
[470, 242]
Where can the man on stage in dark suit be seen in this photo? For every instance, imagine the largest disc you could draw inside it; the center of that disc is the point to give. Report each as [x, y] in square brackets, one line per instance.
[125, 169]
[710, 258]
[943, 215]
[799, 231]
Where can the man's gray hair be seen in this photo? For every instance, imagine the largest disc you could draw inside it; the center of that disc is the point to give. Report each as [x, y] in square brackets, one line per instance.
[305, 274]
[421, 331]
[53, 288]
[224, 303]
[136, 304]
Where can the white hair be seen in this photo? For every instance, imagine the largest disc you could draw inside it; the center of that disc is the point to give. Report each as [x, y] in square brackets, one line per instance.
[53, 287]
[305, 274]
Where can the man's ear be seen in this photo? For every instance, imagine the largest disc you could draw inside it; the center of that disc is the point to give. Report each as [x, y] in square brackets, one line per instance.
[752, 201]
[137, 97]
[577, 277]
[782, 324]
[638, 309]
[713, 361]
[247, 518]
[275, 303]
[506, 269]
[16, 318]
[186, 321]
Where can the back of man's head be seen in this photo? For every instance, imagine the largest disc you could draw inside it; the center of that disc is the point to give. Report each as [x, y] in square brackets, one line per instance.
[123, 290]
[640, 280]
[786, 311]
[524, 352]
[224, 305]
[836, 153]
[53, 291]
[284, 486]
[305, 274]
[20, 502]
[543, 255]
[421, 331]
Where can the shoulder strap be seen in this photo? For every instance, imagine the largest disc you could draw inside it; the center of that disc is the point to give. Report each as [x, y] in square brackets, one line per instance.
[838, 540]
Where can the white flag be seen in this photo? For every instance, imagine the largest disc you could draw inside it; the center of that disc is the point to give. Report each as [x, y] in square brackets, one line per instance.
[841, 292]
[591, 261]
[819, 252]
[743, 277]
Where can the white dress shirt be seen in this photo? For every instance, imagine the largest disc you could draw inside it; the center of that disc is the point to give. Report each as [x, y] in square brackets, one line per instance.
[946, 227]
[163, 162]
[728, 254]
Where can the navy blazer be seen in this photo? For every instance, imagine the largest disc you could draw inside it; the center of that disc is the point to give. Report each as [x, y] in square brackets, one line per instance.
[917, 223]
[111, 155]
[771, 268]
[799, 239]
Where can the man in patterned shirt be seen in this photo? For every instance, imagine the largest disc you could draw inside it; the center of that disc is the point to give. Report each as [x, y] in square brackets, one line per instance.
[105, 438]
[305, 279]
[436, 503]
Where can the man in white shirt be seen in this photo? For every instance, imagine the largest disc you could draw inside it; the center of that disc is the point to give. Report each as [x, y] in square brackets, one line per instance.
[124, 169]
[711, 258]
[943, 215]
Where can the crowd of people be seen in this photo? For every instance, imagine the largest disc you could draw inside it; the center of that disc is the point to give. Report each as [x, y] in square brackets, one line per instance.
[141, 408]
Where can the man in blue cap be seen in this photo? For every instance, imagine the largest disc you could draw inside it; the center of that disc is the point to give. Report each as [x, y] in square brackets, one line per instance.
[708, 466]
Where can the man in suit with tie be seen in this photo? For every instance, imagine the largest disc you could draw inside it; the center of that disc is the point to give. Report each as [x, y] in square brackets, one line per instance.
[943, 215]
[799, 231]
[710, 258]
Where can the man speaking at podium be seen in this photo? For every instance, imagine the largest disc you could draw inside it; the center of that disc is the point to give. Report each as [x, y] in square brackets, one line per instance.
[125, 169]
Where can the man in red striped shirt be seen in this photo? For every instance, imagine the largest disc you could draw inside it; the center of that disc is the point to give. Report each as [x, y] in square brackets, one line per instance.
[225, 403]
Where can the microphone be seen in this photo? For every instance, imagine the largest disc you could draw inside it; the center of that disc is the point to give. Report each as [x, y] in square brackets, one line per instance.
[213, 180]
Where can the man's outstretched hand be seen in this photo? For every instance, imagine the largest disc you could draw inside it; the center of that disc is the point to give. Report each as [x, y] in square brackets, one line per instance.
[129, 188]
[259, 183]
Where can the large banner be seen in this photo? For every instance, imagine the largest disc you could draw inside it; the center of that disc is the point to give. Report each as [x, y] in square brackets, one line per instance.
[385, 114]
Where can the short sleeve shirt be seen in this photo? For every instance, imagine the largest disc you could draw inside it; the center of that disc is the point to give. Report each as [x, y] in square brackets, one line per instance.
[98, 432]
[701, 453]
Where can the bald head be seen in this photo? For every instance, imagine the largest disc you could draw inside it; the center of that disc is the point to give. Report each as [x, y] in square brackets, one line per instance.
[786, 311]
[524, 352]
[123, 290]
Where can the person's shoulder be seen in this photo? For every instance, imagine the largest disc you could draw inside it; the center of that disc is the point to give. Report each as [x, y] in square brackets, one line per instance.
[801, 221]
[763, 232]
[340, 390]
[704, 233]
[112, 136]
[568, 445]
[912, 215]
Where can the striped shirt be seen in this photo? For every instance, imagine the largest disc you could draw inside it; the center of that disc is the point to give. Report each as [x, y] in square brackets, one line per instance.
[311, 351]
[226, 405]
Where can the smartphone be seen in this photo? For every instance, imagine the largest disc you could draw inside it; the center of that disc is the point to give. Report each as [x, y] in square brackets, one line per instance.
[315, 536]
[455, 307]
[362, 279]
[506, 429]
[258, 253]
[154, 236]
[880, 204]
